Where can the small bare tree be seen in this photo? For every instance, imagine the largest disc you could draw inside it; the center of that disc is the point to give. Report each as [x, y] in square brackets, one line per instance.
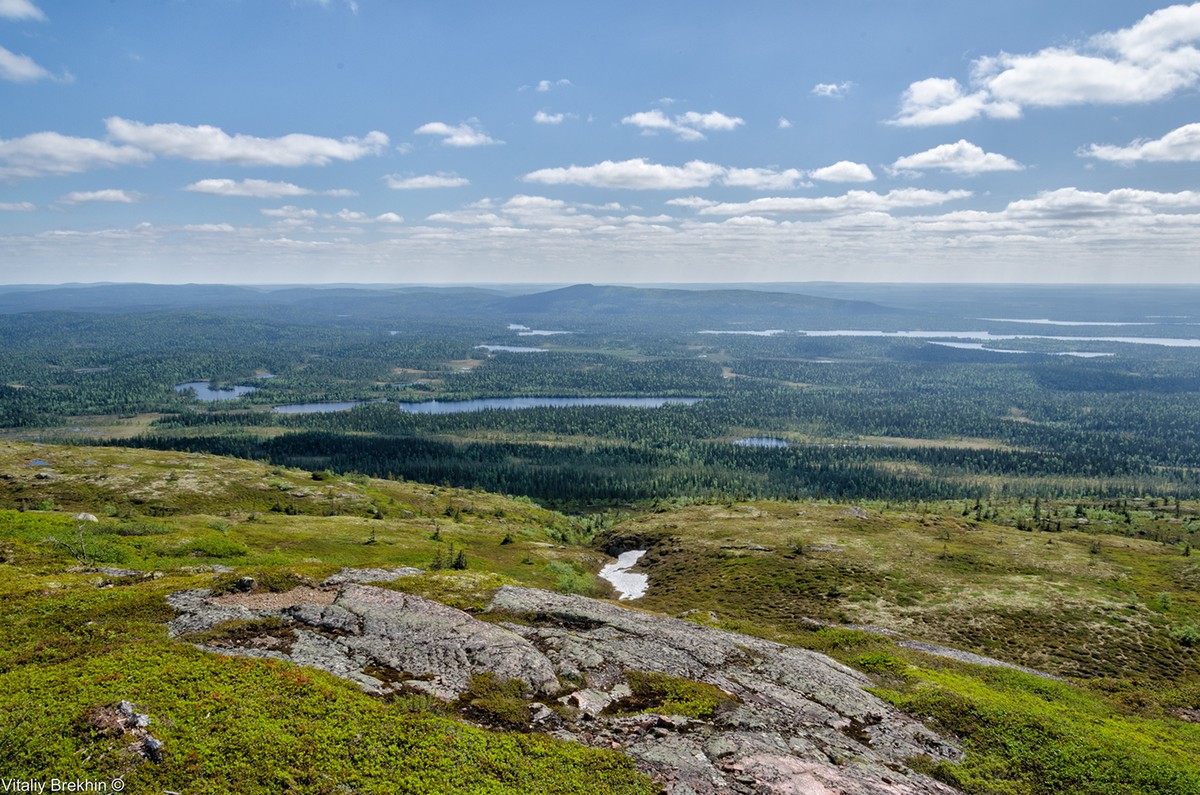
[78, 549]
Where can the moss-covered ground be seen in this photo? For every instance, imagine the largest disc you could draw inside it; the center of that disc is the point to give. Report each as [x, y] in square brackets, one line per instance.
[1105, 596]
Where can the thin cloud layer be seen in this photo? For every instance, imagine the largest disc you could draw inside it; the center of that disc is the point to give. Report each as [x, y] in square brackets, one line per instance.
[1149, 61]
[212, 144]
[257, 188]
[462, 135]
[855, 201]
[21, 9]
[1181, 145]
[396, 182]
[21, 68]
[635, 174]
[688, 126]
[107, 195]
[50, 153]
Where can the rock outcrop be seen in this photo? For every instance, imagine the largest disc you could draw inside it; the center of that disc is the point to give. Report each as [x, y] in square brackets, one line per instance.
[795, 721]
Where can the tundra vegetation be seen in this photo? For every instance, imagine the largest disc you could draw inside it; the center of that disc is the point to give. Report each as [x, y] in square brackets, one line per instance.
[1037, 508]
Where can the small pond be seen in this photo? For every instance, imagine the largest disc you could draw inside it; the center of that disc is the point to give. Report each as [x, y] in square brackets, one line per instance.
[205, 392]
[627, 584]
[761, 441]
[320, 408]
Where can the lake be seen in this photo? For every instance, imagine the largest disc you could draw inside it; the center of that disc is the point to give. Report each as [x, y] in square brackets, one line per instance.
[203, 392]
[987, 336]
[761, 441]
[485, 404]
[320, 408]
[511, 349]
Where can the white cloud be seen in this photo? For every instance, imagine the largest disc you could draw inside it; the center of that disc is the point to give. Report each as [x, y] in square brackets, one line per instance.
[222, 228]
[290, 212]
[834, 90]
[389, 218]
[20, 9]
[1153, 59]
[439, 180]
[635, 174]
[547, 85]
[257, 188]
[855, 201]
[108, 195]
[687, 126]
[1181, 145]
[1072, 203]
[694, 202]
[21, 68]
[784, 124]
[962, 157]
[764, 178]
[467, 134]
[844, 171]
[943, 101]
[212, 144]
[542, 117]
[46, 153]
[17, 207]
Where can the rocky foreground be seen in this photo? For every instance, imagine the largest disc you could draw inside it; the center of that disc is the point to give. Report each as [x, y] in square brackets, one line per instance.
[795, 721]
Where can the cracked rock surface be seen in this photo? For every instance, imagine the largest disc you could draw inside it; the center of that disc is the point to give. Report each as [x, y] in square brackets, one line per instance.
[801, 723]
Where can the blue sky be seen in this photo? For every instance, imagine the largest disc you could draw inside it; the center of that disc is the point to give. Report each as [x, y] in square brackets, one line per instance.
[272, 141]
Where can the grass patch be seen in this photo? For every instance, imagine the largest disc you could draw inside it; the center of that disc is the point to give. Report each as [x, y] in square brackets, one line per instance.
[671, 695]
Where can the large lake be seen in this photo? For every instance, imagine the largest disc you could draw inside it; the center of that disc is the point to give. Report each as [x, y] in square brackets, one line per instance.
[203, 392]
[987, 336]
[483, 404]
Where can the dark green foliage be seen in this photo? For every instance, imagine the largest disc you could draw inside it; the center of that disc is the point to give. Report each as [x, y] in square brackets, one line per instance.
[496, 700]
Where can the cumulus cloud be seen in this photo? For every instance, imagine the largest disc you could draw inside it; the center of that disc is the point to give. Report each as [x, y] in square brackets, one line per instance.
[439, 180]
[212, 144]
[844, 171]
[257, 188]
[1154, 58]
[943, 101]
[688, 126]
[635, 174]
[855, 201]
[764, 178]
[784, 124]
[108, 195]
[962, 157]
[542, 117]
[17, 207]
[834, 90]
[1181, 145]
[547, 85]
[51, 153]
[463, 135]
[21, 9]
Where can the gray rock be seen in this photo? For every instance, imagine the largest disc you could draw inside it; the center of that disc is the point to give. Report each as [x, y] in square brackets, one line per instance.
[802, 722]
[360, 576]
[410, 633]
[805, 722]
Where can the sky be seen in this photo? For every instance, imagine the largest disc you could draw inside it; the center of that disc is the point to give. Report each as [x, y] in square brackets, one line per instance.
[312, 141]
